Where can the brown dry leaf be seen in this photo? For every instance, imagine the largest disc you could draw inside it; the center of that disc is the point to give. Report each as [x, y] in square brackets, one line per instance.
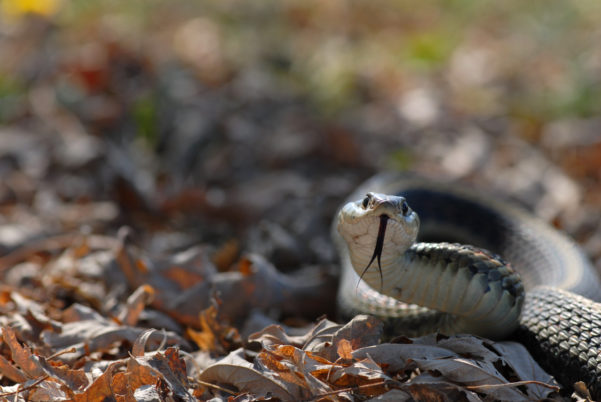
[139, 374]
[20, 355]
[274, 335]
[142, 266]
[345, 350]
[466, 362]
[517, 357]
[295, 369]
[48, 390]
[134, 272]
[119, 386]
[166, 370]
[512, 354]
[581, 392]
[11, 372]
[172, 371]
[235, 370]
[177, 365]
[315, 335]
[465, 346]
[152, 392]
[139, 345]
[395, 356]
[282, 362]
[135, 304]
[257, 285]
[101, 388]
[245, 266]
[472, 373]
[183, 277]
[80, 248]
[78, 312]
[310, 364]
[361, 331]
[75, 380]
[5, 297]
[365, 376]
[214, 337]
[310, 371]
[394, 395]
[426, 387]
[95, 333]
[226, 255]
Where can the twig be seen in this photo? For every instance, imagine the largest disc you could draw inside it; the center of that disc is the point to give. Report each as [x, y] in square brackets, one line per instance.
[62, 352]
[351, 389]
[217, 387]
[39, 380]
[511, 384]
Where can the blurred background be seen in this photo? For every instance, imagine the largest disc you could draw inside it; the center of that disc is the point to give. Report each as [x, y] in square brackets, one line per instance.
[245, 124]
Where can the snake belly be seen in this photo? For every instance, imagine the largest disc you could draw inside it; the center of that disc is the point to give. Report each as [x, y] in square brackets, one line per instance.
[560, 322]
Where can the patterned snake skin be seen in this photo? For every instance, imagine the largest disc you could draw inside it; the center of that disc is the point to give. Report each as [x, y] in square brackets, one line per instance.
[560, 321]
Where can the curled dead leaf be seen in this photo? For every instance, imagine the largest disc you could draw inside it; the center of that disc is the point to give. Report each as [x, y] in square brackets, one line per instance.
[22, 356]
[215, 336]
[235, 370]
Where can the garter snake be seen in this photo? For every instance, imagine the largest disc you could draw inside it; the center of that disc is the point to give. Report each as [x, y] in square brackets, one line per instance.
[426, 286]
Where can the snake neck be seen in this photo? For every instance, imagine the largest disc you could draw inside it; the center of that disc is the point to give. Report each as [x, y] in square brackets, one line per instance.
[479, 288]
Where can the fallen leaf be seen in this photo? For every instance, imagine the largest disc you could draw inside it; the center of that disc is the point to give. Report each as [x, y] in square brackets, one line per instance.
[345, 349]
[464, 363]
[471, 372]
[517, 357]
[11, 372]
[394, 395]
[135, 304]
[101, 388]
[235, 370]
[361, 331]
[74, 380]
[139, 345]
[21, 356]
[215, 336]
[94, 333]
[225, 256]
[172, 371]
[314, 337]
[48, 390]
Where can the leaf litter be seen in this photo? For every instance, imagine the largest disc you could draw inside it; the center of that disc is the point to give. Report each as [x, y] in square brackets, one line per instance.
[186, 302]
[79, 314]
[79, 352]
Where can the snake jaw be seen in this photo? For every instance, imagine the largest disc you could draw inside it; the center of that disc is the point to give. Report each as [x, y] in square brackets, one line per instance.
[378, 249]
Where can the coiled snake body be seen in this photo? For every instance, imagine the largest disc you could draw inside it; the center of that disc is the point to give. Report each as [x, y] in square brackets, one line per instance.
[452, 288]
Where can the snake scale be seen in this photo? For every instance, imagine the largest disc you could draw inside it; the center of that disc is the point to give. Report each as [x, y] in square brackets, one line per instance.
[433, 285]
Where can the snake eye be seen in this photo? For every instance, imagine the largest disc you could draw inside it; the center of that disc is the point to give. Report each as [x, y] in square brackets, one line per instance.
[365, 202]
[405, 208]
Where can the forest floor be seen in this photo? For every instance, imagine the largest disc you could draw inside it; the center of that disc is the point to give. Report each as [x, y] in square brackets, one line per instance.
[159, 165]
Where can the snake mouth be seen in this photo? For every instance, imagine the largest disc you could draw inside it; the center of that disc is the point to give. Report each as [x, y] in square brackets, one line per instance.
[378, 249]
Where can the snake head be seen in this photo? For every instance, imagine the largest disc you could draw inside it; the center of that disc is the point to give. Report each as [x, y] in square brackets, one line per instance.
[377, 221]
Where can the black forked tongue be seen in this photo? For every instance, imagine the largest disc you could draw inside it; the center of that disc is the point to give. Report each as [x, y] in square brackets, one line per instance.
[378, 249]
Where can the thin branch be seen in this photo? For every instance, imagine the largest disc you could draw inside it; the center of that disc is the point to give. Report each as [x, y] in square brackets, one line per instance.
[350, 389]
[217, 387]
[39, 380]
[62, 352]
[511, 384]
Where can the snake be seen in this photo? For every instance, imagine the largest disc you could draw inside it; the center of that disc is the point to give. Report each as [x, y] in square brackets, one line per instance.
[469, 262]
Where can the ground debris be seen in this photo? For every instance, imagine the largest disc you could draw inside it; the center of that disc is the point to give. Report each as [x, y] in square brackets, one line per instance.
[334, 362]
[159, 170]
